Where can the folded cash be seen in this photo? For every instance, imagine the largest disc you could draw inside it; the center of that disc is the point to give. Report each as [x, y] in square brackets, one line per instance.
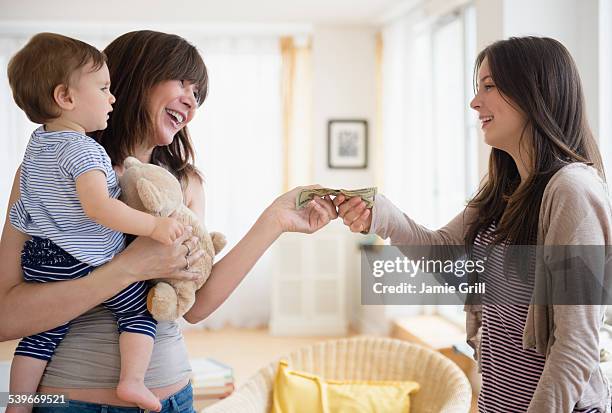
[306, 195]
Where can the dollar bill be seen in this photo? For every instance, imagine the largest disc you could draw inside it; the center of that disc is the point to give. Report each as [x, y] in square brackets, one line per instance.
[306, 195]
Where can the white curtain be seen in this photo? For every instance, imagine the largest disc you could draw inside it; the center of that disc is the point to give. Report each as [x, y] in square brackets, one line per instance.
[237, 138]
[428, 130]
[15, 126]
[429, 147]
[409, 167]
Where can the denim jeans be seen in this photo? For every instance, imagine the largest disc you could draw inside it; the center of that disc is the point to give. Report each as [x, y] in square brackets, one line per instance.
[179, 402]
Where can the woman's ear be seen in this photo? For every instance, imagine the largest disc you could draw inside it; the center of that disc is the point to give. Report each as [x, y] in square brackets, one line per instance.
[63, 97]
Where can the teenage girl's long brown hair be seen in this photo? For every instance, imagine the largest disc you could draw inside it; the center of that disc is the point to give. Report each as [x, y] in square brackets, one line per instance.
[137, 61]
[539, 76]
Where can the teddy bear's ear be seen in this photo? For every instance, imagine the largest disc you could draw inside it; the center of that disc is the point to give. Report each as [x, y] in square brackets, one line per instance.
[149, 195]
[218, 240]
[131, 161]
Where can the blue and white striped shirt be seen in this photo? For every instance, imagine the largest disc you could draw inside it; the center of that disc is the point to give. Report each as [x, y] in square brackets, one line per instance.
[49, 205]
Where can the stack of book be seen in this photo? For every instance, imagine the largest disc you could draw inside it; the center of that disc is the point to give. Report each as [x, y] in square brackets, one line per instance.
[211, 381]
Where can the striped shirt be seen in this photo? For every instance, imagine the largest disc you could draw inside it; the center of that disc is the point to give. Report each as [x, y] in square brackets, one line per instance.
[510, 374]
[49, 206]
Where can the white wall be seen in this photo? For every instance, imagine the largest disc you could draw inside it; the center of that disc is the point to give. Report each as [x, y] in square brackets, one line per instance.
[344, 87]
[575, 23]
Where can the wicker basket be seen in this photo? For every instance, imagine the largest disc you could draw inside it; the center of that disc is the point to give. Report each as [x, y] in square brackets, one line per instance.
[444, 387]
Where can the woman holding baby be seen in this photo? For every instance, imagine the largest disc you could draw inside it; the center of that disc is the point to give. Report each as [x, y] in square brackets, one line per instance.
[155, 94]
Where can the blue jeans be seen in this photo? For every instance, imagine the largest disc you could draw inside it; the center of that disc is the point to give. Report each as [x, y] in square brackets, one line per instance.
[179, 402]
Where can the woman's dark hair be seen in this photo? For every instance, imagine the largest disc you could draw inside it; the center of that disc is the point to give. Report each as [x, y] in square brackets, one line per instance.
[137, 61]
[539, 78]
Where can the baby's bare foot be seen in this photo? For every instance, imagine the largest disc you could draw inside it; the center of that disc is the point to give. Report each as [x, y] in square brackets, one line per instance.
[136, 392]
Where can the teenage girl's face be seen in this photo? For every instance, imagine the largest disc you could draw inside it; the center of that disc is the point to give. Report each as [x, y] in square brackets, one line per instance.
[501, 122]
[172, 105]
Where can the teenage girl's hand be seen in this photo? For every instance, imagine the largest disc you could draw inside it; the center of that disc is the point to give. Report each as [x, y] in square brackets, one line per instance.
[354, 213]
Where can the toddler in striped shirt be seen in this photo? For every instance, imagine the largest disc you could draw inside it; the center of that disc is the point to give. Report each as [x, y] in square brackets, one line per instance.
[68, 204]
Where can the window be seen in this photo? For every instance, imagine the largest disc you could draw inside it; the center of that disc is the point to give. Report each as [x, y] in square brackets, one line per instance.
[429, 132]
[455, 132]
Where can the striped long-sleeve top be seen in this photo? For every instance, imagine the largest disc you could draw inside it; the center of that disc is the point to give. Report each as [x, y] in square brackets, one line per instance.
[510, 373]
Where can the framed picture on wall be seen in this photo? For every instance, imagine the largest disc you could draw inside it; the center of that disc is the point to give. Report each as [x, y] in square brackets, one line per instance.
[347, 144]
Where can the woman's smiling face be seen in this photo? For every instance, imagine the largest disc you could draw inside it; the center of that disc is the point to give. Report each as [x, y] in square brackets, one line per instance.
[172, 105]
[501, 122]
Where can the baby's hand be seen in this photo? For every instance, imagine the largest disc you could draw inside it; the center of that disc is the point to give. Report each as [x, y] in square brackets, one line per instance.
[354, 213]
[167, 230]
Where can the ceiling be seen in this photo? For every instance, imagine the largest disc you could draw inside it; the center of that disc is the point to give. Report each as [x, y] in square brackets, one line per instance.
[343, 12]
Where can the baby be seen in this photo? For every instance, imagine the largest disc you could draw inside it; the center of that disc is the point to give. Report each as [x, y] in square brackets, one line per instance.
[68, 204]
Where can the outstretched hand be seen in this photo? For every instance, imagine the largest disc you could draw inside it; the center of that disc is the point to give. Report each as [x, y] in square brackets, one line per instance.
[318, 212]
[354, 213]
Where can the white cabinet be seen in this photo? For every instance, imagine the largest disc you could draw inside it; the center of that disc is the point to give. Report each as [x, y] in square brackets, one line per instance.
[309, 294]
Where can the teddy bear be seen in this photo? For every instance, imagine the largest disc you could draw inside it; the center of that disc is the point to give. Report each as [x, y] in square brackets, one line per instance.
[153, 189]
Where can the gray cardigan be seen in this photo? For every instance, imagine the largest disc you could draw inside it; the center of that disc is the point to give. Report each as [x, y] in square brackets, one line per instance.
[575, 210]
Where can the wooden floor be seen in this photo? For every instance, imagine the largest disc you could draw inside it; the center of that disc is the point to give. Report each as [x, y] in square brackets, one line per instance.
[245, 350]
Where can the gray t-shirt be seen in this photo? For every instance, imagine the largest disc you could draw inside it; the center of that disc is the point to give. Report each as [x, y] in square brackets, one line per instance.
[88, 357]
